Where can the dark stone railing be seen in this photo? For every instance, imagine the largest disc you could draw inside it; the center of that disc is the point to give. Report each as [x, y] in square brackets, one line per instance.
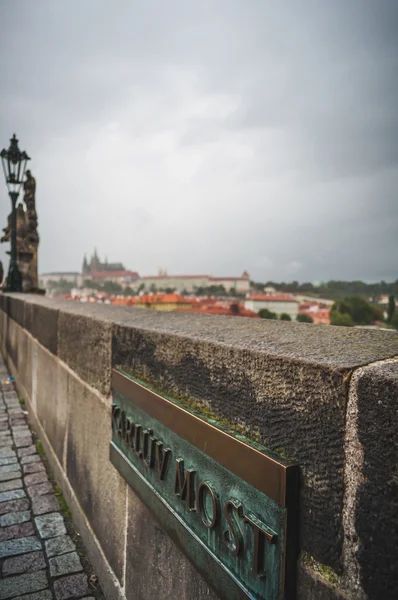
[325, 396]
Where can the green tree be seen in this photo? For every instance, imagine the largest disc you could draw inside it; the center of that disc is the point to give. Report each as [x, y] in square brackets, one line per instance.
[285, 317]
[360, 311]
[390, 308]
[342, 319]
[394, 320]
[303, 318]
[264, 313]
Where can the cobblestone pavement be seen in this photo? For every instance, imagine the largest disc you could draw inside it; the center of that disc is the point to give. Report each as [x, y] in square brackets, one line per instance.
[41, 555]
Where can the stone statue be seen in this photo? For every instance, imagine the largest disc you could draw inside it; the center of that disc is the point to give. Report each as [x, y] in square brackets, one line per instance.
[27, 236]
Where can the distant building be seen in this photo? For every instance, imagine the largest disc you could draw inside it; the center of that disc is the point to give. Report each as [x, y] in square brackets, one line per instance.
[277, 303]
[48, 280]
[190, 283]
[102, 272]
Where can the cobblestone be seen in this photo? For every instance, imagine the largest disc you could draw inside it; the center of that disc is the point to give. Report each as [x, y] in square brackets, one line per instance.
[40, 489]
[14, 505]
[8, 476]
[8, 460]
[35, 478]
[12, 484]
[43, 566]
[26, 563]
[27, 450]
[23, 584]
[20, 546]
[30, 459]
[71, 587]
[50, 525]
[59, 545]
[12, 495]
[34, 467]
[13, 518]
[65, 564]
[9, 468]
[44, 504]
[21, 530]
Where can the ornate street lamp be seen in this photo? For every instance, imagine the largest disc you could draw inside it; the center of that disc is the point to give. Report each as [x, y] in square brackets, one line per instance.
[14, 165]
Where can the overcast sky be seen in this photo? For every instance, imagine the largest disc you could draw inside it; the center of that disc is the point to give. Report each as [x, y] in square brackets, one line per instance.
[210, 136]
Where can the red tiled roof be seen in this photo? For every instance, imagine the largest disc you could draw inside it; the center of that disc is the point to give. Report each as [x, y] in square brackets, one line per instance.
[176, 277]
[114, 274]
[272, 297]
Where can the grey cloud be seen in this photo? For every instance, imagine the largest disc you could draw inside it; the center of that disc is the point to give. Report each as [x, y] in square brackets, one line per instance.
[213, 136]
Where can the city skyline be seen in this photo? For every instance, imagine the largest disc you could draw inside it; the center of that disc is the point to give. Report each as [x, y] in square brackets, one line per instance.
[208, 138]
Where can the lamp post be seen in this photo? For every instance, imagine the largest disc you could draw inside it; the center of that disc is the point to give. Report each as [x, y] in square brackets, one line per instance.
[14, 165]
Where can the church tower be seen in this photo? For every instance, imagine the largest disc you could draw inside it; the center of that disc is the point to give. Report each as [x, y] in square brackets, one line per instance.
[86, 268]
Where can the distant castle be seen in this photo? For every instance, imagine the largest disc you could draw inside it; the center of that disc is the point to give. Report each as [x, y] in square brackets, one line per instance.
[96, 266]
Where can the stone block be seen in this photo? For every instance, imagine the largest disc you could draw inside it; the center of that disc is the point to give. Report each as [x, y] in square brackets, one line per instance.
[59, 545]
[14, 505]
[27, 563]
[40, 489]
[35, 478]
[34, 467]
[7, 454]
[52, 399]
[13, 518]
[19, 546]
[9, 476]
[42, 322]
[44, 504]
[160, 552]
[23, 584]
[44, 595]
[72, 586]
[98, 486]
[12, 495]
[25, 460]
[376, 506]
[14, 484]
[85, 344]
[50, 525]
[65, 564]
[22, 442]
[13, 532]
[26, 451]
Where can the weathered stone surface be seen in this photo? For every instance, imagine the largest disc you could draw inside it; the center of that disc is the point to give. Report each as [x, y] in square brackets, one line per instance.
[23, 584]
[35, 478]
[72, 586]
[34, 467]
[42, 322]
[9, 468]
[14, 505]
[13, 484]
[52, 399]
[13, 518]
[59, 545]
[12, 495]
[312, 587]
[6, 444]
[26, 451]
[21, 530]
[50, 525]
[19, 546]
[105, 503]
[22, 442]
[9, 476]
[376, 521]
[85, 345]
[43, 595]
[7, 453]
[34, 561]
[44, 504]
[40, 489]
[8, 461]
[65, 564]
[159, 555]
[25, 460]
